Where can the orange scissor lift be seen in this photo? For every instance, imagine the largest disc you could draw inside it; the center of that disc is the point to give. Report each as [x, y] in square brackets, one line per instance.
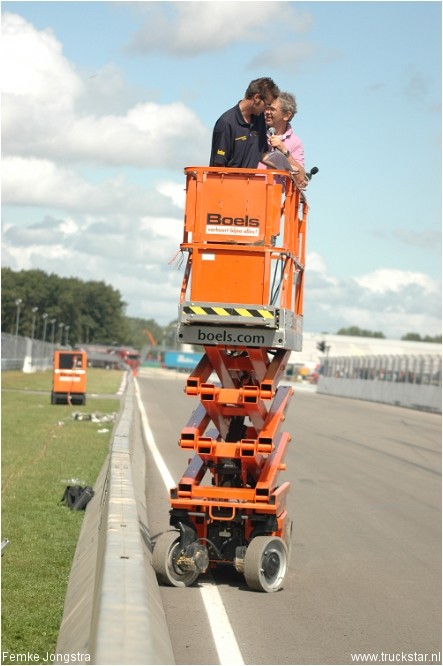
[242, 300]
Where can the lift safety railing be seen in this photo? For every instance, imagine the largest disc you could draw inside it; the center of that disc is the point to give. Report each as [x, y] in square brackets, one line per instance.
[246, 256]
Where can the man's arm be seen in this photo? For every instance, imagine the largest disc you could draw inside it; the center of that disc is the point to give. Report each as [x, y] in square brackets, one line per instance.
[221, 144]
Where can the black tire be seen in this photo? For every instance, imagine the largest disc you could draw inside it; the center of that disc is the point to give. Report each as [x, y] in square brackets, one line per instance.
[266, 563]
[166, 550]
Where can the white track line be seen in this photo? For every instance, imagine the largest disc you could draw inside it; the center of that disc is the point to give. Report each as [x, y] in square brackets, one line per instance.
[164, 471]
[222, 633]
[224, 639]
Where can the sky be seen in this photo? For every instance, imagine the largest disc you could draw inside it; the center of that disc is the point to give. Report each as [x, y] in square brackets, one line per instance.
[105, 103]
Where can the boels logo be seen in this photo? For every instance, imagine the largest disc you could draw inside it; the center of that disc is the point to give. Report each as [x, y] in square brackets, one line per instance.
[216, 218]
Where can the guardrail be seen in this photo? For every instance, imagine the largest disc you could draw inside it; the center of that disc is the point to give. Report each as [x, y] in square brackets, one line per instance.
[113, 610]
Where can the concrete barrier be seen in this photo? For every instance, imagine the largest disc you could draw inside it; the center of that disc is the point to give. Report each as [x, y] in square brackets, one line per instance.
[113, 611]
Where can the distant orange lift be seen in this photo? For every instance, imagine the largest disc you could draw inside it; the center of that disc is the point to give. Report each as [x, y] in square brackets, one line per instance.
[69, 377]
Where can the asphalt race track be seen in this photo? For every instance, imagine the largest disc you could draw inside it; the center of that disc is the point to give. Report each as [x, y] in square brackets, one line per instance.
[365, 572]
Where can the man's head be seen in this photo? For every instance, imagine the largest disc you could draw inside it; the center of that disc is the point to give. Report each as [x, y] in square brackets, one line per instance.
[261, 93]
[282, 110]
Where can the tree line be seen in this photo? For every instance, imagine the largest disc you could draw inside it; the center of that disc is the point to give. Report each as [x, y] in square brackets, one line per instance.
[361, 332]
[69, 311]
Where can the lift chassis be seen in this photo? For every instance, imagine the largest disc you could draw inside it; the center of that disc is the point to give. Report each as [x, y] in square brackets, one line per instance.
[242, 301]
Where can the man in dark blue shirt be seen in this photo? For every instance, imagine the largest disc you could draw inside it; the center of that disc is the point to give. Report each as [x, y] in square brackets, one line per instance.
[239, 136]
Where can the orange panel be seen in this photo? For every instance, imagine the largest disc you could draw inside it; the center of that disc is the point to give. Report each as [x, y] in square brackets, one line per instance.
[237, 205]
[221, 275]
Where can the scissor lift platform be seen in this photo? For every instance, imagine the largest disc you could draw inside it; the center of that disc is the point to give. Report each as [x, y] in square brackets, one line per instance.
[242, 301]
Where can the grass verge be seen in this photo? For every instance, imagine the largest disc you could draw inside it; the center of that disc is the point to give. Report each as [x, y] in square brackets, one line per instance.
[43, 448]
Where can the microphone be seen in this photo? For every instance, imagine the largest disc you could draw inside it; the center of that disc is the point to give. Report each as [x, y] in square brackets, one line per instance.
[271, 132]
[311, 173]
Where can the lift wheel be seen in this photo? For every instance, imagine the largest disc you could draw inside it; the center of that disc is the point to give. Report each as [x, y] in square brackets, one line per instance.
[266, 563]
[174, 565]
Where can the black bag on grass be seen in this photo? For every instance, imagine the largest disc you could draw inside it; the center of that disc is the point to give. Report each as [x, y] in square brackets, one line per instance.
[77, 497]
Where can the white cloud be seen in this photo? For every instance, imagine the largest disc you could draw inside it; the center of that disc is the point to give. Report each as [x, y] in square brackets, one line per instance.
[39, 182]
[41, 96]
[213, 25]
[317, 268]
[106, 91]
[37, 69]
[42, 183]
[147, 136]
[392, 301]
[294, 57]
[176, 192]
[25, 258]
[385, 280]
[428, 239]
[39, 86]
[134, 255]
[69, 227]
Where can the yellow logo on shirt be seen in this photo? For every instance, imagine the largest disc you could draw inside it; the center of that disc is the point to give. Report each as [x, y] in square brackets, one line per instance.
[241, 138]
[220, 152]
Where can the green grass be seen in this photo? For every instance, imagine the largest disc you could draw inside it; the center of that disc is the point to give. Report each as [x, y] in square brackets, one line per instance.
[43, 447]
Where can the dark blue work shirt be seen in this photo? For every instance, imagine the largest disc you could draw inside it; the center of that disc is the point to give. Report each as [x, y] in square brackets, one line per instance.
[236, 143]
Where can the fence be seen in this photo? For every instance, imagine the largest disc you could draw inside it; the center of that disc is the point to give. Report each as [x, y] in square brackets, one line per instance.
[419, 369]
[19, 353]
[29, 355]
[410, 381]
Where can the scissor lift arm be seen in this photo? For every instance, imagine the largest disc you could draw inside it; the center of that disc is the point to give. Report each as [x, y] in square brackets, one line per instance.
[242, 301]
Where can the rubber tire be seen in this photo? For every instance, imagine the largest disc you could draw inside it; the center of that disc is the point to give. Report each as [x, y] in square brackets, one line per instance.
[266, 563]
[166, 546]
